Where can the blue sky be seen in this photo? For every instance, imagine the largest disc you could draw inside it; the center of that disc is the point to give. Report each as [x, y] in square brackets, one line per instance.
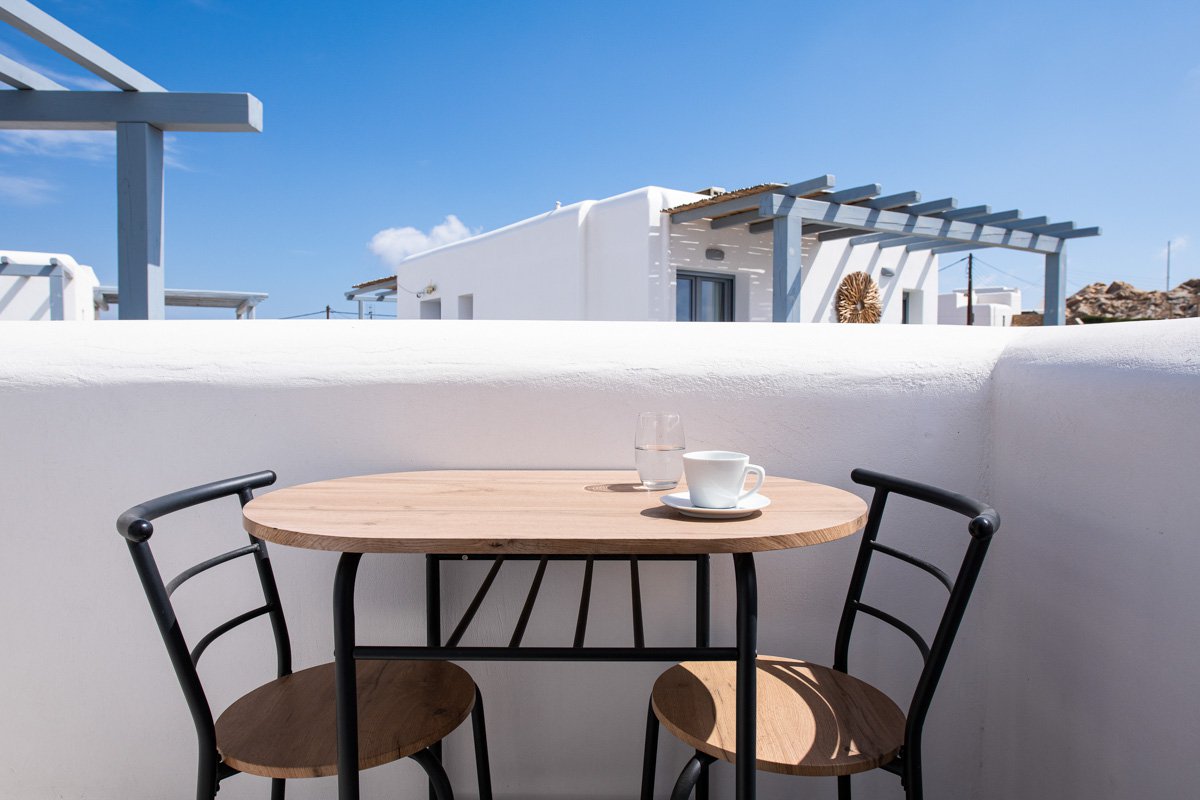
[399, 114]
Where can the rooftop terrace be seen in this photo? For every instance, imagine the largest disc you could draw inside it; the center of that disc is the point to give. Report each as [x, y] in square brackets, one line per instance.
[1072, 677]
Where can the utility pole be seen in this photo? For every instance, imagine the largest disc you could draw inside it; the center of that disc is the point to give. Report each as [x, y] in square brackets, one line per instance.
[970, 289]
[328, 311]
[1168, 265]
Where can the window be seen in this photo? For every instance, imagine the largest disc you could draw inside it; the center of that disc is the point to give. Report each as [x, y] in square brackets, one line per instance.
[703, 297]
[431, 309]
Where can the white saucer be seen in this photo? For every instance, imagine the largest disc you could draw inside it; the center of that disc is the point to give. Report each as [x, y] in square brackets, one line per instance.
[682, 502]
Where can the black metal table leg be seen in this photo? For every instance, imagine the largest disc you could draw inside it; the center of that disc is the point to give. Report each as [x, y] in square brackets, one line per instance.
[433, 630]
[345, 675]
[747, 686]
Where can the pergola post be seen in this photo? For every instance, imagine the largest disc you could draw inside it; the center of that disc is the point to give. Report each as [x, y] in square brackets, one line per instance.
[1055, 301]
[140, 220]
[786, 264]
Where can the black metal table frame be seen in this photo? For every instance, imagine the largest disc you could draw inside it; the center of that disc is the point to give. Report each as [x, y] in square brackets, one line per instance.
[346, 651]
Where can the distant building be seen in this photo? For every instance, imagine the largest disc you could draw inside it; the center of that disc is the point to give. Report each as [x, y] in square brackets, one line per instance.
[993, 306]
[37, 286]
[53, 286]
[624, 258]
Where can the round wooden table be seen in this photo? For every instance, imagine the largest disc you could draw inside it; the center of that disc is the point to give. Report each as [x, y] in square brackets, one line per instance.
[542, 512]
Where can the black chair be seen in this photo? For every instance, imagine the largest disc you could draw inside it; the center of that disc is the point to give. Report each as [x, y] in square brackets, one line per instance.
[285, 728]
[815, 720]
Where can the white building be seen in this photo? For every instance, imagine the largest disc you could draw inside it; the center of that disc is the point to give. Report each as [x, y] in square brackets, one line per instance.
[784, 253]
[53, 286]
[622, 258]
[37, 286]
[993, 306]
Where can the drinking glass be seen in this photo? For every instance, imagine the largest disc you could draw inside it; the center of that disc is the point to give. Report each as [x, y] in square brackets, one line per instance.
[658, 449]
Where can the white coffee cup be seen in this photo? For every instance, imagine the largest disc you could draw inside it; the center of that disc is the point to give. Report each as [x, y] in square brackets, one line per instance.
[716, 478]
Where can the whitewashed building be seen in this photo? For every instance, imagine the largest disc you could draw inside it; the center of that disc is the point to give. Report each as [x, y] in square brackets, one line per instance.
[992, 305]
[772, 252]
[44, 286]
[622, 258]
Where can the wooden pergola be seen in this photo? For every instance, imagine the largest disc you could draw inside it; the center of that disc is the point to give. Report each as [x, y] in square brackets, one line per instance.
[139, 113]
[864, 215]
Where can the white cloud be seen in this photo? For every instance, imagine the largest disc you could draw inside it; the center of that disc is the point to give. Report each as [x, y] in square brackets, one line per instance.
[87, 145]
[393, 245]
[25, 191]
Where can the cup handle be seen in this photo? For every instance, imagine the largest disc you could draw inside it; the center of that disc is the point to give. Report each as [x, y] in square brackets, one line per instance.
[757, 470]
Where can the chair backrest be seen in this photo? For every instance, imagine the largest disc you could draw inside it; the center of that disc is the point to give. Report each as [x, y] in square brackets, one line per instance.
[135, 525]
[984, 522]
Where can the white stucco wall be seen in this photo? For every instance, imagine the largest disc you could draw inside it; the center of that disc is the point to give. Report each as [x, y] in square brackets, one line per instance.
[531, 270]
[1074, 656]
[24, 298]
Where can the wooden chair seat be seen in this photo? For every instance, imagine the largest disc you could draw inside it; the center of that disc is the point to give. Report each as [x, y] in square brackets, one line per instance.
[812, 720]
[285, 729]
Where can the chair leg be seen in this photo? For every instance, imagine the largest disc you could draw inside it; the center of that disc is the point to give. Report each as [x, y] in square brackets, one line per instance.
[690, 775]
[702, 784]
[843, 787]
[207, 784]
[437, 775]
[277, 788]
[436, 749]
[483, 769]
[649, 755]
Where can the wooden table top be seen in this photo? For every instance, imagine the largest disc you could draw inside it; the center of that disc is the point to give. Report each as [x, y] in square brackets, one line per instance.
[540, 512]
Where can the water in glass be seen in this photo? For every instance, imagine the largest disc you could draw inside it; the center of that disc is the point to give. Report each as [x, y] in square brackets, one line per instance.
[659, 465]
[658, 449]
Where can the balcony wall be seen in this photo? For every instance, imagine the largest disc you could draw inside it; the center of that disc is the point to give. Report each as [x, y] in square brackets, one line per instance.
[1073, 675]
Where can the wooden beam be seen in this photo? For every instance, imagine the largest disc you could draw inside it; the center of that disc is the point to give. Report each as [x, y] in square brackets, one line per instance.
[893, 201]
[966, 213]
[20, 76]
[865, 192]
[999, 216]
[908, 241]
[140, 220]
[873, 238]
[809, 187]
[762, 226]
[1054, 302]
[1055, 229]
[907, 225]
[933, 206]
[39, 25]
[732, 206]
[1078, 232]
[956, 248]
[734, 219]
[101, 111]
[786, 268]
[1026, 224]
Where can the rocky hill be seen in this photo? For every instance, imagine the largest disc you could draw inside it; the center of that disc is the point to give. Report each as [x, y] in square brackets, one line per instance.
[1120, 302]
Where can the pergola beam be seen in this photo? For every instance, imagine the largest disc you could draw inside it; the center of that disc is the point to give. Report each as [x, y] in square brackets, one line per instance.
[20, 76]
[956, 248]
[805, 188]
[893, 201]
[1078, 232]
[734, 219]
[167, 111]
[907, 225]
[39, 25]
[865, 192]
